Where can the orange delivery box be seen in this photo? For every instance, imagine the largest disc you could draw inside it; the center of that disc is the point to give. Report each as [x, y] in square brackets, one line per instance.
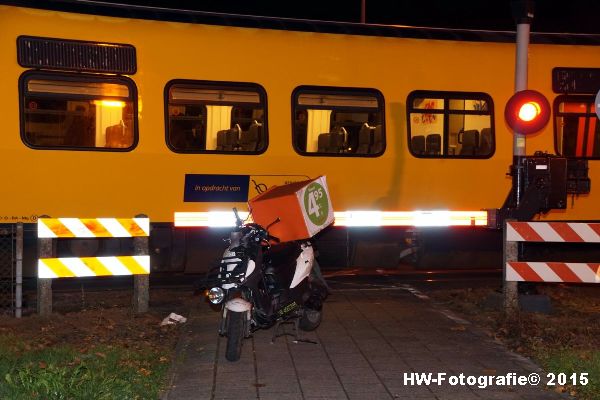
[303, 208]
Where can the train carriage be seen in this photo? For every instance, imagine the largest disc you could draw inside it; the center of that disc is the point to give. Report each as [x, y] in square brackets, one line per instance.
[115, 111]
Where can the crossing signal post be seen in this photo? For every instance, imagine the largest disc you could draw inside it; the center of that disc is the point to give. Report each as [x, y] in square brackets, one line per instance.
[540, 182]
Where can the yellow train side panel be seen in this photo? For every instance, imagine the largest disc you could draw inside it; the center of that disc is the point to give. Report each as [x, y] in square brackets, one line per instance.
[150, 179]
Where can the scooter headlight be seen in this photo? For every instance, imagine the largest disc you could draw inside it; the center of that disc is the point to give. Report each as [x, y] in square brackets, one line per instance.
[216, 295]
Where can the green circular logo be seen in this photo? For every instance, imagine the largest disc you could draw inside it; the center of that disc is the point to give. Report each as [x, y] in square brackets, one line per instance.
[316, 204]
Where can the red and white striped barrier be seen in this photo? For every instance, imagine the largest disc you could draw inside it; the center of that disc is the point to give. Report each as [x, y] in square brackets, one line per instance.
[573, 232]
[521, 271]
[566, 232]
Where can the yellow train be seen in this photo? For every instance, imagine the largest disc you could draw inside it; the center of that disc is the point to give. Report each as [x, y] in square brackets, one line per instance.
[113, 111]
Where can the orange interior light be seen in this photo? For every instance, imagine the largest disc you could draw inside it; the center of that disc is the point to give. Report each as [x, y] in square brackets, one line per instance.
[110, 103]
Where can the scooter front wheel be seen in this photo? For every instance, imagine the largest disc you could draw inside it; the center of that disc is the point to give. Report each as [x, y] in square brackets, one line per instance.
[235, 334]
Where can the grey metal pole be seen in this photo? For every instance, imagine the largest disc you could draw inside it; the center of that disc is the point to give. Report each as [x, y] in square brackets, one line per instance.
[523, 30]
[19, 272]
[521, 79]
[511, 294]
[519, 142]
[141, 283]
[523, 14]
[44, 285]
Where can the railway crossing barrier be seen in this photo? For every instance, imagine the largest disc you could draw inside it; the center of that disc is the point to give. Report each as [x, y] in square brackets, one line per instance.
[50, 267]
[548, 271]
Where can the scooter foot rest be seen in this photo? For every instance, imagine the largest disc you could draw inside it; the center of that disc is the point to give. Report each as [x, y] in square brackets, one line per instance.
[296, 334]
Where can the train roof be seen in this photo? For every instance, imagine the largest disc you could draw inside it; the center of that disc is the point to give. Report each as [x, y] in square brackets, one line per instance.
[301, 25]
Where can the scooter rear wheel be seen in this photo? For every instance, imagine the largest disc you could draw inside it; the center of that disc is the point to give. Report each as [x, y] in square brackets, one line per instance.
[235, 334]
[310, 319]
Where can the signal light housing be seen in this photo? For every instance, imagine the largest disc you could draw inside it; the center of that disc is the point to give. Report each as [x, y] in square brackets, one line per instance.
[527, 111]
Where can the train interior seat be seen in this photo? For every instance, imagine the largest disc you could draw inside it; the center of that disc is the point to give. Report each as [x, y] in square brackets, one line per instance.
[80, 132]
[331, 142]
[262, 137]
[485, 145]
[177, 135]
[365, 139]
[196, 137]
[262, 142]
[433, 144]
[222, 140]
[378, 144]
[323, 142]
[300, 134]
[417, 145]
[187, 135]
[250, 139]
[470, 142]
[232, 136]
[338, 140]
[352, 136]
[118, 136]
[229, 139]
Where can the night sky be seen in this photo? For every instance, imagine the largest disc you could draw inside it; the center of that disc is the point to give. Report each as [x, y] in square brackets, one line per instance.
[575, 16]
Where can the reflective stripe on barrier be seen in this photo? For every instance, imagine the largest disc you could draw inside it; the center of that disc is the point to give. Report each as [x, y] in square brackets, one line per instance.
[522, 271]
[93, 227]
[573, 232]
[69, 267]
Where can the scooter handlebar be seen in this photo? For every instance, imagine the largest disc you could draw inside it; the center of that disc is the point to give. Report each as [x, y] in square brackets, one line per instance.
[238, 220]
[264, 234]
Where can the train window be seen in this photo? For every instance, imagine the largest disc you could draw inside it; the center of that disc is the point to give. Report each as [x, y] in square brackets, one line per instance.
[576, 127]
[450, 124]
[78, 112]
[338, 121]
[215, 117]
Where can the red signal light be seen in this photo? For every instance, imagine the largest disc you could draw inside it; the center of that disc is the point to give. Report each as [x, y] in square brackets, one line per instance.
[527, 111]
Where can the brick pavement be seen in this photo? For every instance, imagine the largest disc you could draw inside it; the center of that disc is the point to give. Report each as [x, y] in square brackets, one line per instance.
[367, 341]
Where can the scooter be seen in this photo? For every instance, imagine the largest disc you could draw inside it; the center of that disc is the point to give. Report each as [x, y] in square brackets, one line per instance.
[262, 283]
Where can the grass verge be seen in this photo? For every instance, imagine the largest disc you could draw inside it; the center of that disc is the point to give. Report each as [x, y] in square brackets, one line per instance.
[569, 365]
[66, 372]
